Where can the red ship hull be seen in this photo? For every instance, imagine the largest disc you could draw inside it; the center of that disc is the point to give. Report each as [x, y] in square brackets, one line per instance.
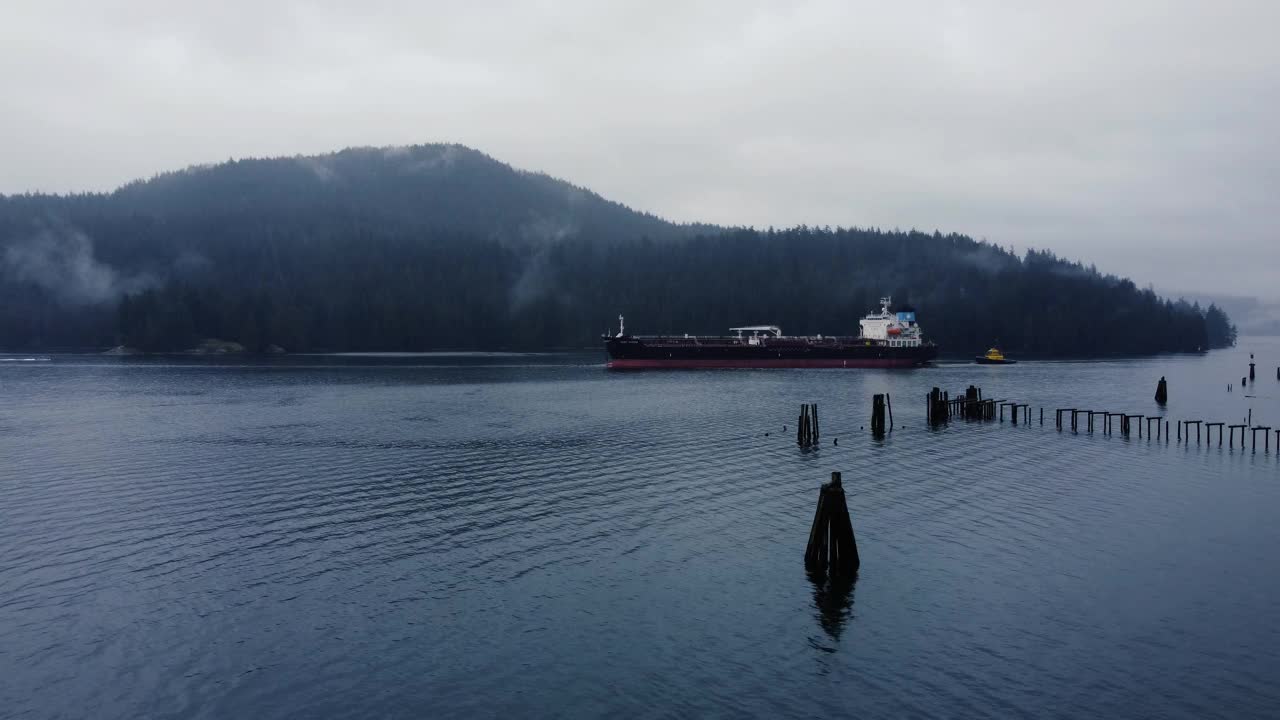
[723, 363]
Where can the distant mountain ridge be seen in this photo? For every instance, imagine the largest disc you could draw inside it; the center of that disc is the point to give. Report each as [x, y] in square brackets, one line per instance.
[441, 246]
[449, 187]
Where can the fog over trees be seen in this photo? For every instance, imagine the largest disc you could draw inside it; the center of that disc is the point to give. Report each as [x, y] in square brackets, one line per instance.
[441, 247]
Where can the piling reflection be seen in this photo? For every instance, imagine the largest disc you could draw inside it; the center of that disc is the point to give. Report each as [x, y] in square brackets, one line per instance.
[833, 599]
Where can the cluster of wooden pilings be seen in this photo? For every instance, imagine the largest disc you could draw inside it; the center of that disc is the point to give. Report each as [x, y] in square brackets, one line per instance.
[973, 406]
[1157, 427]
[1184, 433]
[832, 547]
[937, 407]
[1112, 422]
[940, 407]
[807, 426]
[1252, 370]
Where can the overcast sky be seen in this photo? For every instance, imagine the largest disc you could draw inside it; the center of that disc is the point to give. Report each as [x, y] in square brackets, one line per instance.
[1141, 136]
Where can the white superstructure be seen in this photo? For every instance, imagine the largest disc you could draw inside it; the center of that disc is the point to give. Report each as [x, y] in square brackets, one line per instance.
[893, 329]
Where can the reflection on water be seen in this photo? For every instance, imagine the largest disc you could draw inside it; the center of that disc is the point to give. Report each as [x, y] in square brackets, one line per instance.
[833, 599]
[334, 537]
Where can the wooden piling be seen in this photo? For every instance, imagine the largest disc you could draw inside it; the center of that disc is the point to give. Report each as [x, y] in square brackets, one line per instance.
[832, 546]
[1013, 410]
[877, 415]
[1197, 424]
[807, 426]
[1266, 437]
[1128, 425]
[938, 406]
[1162, 392]
[1232, 435]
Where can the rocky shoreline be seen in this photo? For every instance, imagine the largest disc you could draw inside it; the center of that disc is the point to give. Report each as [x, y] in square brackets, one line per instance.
[208, 346]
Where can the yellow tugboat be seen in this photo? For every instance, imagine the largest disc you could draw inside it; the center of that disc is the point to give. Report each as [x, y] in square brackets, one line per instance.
[994, 357]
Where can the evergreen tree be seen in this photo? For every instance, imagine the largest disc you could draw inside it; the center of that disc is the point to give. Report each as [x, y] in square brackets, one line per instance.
[439, 247]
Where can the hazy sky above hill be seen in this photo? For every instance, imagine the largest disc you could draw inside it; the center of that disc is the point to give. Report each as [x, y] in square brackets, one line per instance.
[1138, 135]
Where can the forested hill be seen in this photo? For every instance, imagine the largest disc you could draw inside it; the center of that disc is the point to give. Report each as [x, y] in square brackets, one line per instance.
[440, 246]
[423, 188]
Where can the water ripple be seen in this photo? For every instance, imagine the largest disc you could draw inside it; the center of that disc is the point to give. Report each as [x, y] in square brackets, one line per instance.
[369, 537]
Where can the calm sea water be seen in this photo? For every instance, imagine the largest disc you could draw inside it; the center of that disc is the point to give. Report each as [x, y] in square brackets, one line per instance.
[534, 536]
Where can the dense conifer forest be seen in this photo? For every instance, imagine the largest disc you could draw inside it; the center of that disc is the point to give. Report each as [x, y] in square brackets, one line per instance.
[441, 247]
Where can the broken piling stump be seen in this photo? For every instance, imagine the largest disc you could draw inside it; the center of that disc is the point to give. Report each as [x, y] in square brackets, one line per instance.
[937, 407]
[877, 415]
[807, 426]
[1162, 392]
[971, 397]
[832, 547]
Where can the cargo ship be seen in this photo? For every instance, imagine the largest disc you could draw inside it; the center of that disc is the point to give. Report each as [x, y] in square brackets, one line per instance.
[886, 339]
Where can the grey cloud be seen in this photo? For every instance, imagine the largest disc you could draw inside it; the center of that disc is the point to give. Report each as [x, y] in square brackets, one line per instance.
[1137, 135]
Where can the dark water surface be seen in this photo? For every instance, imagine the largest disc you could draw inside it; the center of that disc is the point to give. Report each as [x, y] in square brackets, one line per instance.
[533, 536]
